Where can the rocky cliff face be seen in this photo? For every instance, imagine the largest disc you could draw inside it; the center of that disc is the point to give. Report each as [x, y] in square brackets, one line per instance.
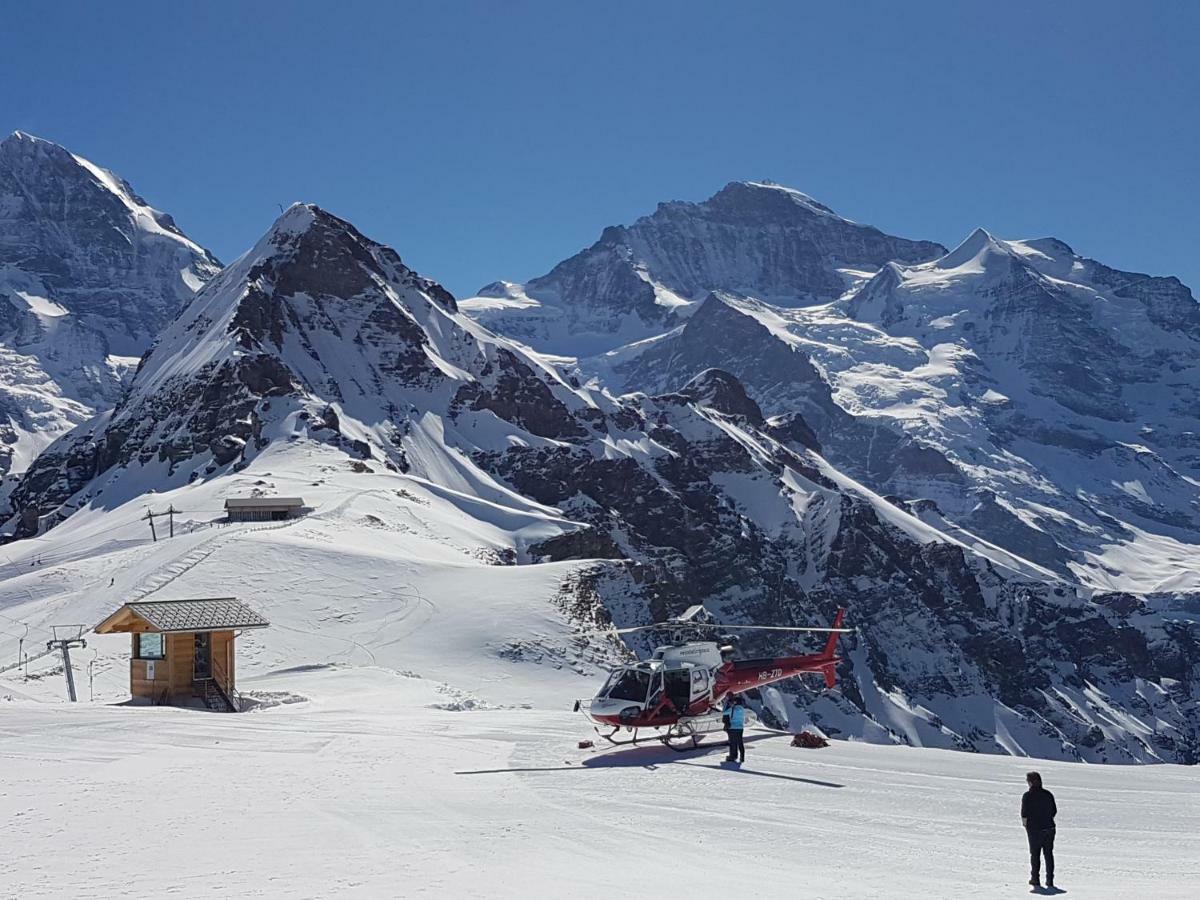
[89, 275]
[692, 495]
[753, 238]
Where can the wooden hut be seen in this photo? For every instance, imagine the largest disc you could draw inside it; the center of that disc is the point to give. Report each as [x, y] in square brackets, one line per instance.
[263, 509]
[183, 650]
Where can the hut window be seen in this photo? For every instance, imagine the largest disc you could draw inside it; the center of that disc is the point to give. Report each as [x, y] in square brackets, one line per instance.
[150, 646]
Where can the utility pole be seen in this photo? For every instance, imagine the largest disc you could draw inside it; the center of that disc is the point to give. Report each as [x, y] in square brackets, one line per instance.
[65, 645]
[150, 516]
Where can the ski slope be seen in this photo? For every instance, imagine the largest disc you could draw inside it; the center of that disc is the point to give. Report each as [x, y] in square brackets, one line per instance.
[385, 569]
[368, 789]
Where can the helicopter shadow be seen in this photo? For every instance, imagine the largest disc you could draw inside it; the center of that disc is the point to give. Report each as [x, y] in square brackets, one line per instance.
[743, 771]
[643, 757]
[652, 757]
[652, 754]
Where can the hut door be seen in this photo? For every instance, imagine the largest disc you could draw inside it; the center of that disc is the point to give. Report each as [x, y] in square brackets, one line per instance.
[202, 661]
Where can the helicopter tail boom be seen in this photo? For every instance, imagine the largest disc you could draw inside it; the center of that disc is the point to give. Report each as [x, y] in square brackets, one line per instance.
[744, 674]
[831, 643]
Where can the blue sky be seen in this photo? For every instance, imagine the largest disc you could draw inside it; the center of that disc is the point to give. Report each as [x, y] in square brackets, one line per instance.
[491, 140]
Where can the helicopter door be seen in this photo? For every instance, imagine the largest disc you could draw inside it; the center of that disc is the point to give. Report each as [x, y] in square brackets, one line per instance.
[700, 684]
[656, 690]
[678, 684]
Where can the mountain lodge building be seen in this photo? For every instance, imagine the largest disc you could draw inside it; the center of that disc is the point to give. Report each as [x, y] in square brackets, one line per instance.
[263, 509]
[183, 650]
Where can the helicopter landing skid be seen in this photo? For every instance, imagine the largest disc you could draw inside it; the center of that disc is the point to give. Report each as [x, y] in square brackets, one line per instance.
[631, 742]
[682, 737]
[681, 742]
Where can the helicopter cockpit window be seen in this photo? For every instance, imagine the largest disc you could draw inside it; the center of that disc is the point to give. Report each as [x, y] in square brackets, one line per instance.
[632, 685]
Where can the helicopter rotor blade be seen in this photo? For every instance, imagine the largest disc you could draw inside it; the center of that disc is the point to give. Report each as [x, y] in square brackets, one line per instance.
[631, 630]
[639, 628]
[685, 625]
[776, 628]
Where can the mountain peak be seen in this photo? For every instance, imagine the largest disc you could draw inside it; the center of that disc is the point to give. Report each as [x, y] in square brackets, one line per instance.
[297, 217]
[24, 137]
[765, 197]
[19, 135]
[302, 228]
[976, 248]
[791, 194]
[23, 142]
[329, 250]
[751, 238]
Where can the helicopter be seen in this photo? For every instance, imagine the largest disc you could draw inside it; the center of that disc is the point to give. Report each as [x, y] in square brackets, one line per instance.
[679, 691]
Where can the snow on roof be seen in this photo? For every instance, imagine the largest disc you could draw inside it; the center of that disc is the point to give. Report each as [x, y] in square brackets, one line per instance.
[216, 614]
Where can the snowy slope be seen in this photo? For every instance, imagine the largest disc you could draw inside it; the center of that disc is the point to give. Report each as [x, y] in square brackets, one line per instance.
[753, 237]
[89, 274]
[415, 695]
[319, 348]
[368, 790]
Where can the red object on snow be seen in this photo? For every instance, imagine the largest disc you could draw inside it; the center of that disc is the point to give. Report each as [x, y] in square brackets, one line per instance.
[584, 745]
[809, 740]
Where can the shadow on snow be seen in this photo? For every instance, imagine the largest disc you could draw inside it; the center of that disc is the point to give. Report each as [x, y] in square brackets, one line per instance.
[651, 758]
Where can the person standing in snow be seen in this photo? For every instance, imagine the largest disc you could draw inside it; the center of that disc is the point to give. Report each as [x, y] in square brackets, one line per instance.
[736, 718]
[1037, 815]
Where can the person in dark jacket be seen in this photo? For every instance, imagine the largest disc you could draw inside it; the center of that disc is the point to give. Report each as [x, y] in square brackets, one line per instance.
[737, 722]
[1037, 815]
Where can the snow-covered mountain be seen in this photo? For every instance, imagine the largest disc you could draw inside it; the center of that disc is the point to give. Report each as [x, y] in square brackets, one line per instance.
[1035, 398]
[89, 275]
[1011, 391]
[320, 348]
[757, 238]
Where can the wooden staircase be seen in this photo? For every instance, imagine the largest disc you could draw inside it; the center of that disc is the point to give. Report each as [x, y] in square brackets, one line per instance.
[214, 693]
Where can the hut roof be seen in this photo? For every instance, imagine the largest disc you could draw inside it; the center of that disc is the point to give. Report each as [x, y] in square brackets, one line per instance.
[215, 614]
[260, 502]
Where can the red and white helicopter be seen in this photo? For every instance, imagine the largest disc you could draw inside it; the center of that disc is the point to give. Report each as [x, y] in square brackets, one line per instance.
[683, 685]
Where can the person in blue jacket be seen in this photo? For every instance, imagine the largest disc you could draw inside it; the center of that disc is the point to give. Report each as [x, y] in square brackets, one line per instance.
[735, 717]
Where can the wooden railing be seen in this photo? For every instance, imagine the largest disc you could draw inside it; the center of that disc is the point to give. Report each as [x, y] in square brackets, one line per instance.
[222, 684]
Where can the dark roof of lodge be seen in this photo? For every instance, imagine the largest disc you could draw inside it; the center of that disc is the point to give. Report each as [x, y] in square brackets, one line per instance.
[262, 502]
[215, 614]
